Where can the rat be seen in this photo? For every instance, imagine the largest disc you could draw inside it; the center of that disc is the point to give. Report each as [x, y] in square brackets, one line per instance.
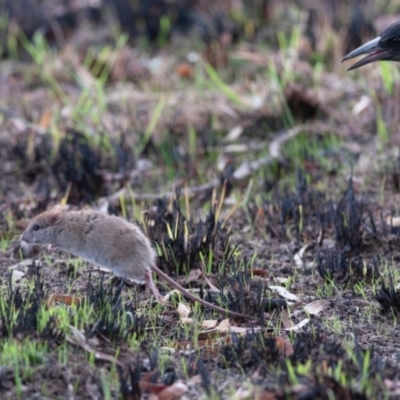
[108, 241]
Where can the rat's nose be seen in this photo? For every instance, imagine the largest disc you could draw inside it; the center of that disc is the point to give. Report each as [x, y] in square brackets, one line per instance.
[24, 238]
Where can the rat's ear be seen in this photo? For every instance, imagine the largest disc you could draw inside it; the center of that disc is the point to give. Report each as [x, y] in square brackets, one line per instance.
[55, 215]
[57, 207]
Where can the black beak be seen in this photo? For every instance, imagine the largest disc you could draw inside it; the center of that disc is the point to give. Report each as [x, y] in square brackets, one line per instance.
[377, 53]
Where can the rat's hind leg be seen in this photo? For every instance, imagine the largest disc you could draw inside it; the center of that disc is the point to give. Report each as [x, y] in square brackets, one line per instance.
[152, 286]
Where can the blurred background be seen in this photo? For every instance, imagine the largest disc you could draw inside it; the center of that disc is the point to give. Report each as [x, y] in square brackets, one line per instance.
[99, 94]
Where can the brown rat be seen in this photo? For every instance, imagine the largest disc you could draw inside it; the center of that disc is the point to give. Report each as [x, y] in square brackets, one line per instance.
[108, 241]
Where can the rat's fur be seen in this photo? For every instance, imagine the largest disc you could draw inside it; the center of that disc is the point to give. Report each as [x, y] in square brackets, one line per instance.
[108, 241]
[77, 233]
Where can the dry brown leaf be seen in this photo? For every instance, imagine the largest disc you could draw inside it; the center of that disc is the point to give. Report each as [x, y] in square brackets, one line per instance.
[185, 70]
[260, 218]
[212, 334]
[283, 292]
[45, 119]
[183, 310]
[298, 257]
[364, 102]
[258, 272]
[209, 323]
[284, 346]
[17, 276]
[286, 320]
[67, 299]
[234, 133]
[152, 388]
[282, 279]
[171, 292]
[209, 343]
[243, 170]
[196, 379]
[225, 327]
[298, 326]
[174, 391]
[393, 221]
[186, 321]
[263, 394]
[243, 393]
[317, 306]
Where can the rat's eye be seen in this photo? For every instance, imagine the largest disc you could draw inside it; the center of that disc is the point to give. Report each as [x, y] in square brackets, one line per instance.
[36, 227]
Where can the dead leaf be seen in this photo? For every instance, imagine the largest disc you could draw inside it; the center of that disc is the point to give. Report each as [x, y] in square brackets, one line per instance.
[17, 276]
[209, 323]
[260, 218]
[263, 394]
[67, 299]
[298, 257]
[234, 133]
[174, 391]
[185, 70]
[196, 379]
[242, 171]
[225, 326]
[393, 221]
[283, 292]
[45, 119]
[211, 334]
[282, 279]
[364, 102]
[242, 394]
[299, 325]
[317, 306]
[174, 291]
[284, 346]
[152, 388]
[258, 272]
[183, 310]
[286, 320]
[186, 321]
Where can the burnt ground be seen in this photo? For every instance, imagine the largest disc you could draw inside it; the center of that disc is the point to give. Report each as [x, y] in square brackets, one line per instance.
[253, 161]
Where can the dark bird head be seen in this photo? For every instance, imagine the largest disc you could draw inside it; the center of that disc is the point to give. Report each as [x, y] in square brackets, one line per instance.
[385, 47]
